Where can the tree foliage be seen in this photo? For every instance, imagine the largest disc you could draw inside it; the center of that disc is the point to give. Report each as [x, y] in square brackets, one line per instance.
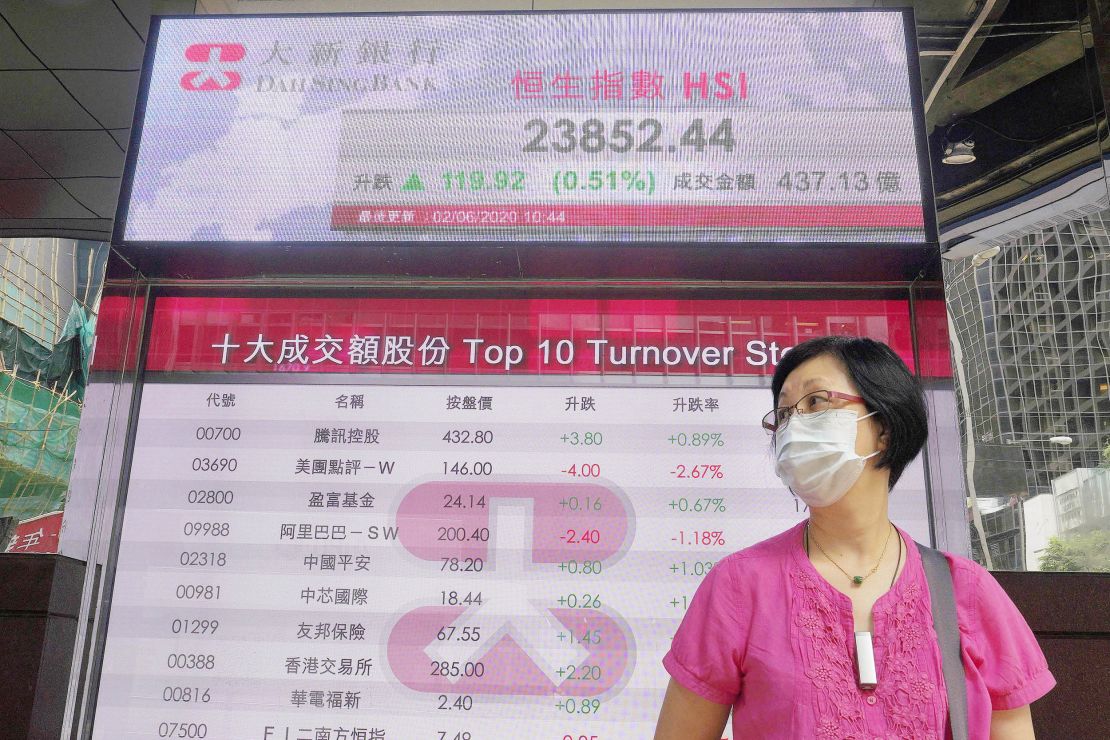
[1082, 552]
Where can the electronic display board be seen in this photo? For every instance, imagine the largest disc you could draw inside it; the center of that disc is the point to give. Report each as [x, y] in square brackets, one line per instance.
[657, 127]
[441, 518]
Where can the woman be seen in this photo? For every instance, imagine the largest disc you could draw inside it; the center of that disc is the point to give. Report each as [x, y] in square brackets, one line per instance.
[769, 633]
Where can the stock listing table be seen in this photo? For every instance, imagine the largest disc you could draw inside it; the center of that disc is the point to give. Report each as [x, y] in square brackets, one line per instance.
[411, 561]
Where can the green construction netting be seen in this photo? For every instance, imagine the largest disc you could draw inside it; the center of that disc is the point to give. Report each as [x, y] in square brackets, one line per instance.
[64, 367]
[42, 385]
[38, 434]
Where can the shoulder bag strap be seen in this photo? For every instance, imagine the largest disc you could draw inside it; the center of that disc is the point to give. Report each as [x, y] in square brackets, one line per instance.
[939, 576]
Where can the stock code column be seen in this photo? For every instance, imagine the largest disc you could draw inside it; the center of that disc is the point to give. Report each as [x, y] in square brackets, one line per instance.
[328, 562]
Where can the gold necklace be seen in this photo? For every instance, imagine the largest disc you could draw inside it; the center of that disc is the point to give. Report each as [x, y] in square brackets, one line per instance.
[856, 580]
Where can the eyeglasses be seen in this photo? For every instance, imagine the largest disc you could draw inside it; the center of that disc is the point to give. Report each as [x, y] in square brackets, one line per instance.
[811, 404]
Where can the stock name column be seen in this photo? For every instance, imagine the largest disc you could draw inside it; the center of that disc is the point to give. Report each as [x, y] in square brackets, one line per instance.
[244, 603]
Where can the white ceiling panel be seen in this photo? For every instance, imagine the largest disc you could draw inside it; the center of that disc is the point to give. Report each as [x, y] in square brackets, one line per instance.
[37, 100]
[109, 96]
[138, 12]
[13, 54]
[96, 193]
[74, 228]
[39, 199]
[122, 137]
[76, 34]
[73, 153]
[16, 163]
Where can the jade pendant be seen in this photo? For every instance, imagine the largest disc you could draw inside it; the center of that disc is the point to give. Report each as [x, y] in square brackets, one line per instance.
[857, 580]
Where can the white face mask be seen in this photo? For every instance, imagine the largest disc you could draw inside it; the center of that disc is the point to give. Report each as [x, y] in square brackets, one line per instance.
[816, 455]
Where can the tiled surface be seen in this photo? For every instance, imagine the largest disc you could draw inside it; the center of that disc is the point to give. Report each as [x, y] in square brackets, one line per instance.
[68, 75]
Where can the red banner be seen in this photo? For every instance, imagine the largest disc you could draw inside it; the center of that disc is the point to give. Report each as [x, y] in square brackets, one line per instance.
[515, 336]
[37, 535]
[117, 333]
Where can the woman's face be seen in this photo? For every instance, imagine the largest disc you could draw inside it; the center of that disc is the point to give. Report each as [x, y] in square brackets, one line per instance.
[826, 373]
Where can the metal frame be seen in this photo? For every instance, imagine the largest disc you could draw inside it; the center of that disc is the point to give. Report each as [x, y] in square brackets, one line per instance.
[160, 255]
[97, 598]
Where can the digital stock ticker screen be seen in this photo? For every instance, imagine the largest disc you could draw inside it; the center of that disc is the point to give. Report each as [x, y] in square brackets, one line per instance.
[741, 127]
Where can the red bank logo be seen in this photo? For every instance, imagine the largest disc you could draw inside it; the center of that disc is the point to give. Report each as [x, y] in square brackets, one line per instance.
[214, 76]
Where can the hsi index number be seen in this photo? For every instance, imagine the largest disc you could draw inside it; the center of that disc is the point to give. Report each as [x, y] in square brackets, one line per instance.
[593, 135]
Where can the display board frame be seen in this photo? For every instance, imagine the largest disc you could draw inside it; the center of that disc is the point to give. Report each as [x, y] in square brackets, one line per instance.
[100, 633]
[538, 259]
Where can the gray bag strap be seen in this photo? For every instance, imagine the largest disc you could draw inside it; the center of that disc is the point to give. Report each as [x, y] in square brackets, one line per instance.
[939, 577]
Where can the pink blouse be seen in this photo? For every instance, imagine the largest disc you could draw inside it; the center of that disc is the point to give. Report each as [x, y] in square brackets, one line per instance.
[769, 635]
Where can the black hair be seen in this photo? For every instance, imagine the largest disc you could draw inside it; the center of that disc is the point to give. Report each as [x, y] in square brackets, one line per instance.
[886, 385]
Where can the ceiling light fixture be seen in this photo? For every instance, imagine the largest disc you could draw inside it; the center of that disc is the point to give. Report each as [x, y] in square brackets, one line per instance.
[958, 149]
[986, 254]
[959, 152]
